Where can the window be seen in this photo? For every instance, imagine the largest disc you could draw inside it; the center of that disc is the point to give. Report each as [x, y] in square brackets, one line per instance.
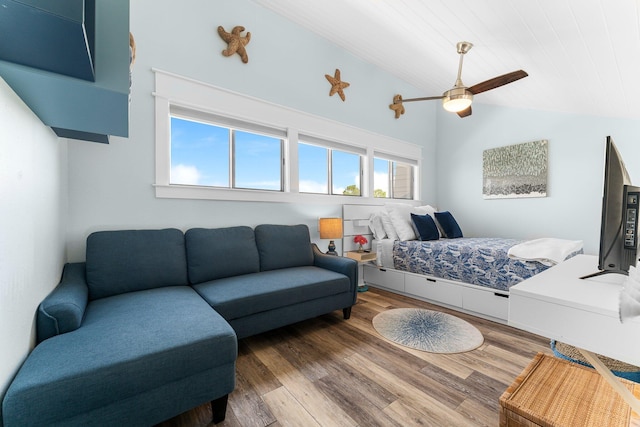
[392, 179]
[214, 144]
[206, 154]
[402, 181]
[199, 154]
[345, 173]
[313, 166]
[321, 168]
[258, 161]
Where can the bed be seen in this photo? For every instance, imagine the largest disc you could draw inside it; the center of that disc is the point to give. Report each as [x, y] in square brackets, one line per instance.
[469, 274]
[482, 261]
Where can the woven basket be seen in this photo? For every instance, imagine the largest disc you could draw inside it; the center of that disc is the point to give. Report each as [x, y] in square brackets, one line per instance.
[552, 392]
[618, 368]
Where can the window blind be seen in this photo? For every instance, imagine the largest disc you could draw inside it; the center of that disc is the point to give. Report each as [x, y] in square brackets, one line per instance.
[215, 119]
[314, 140]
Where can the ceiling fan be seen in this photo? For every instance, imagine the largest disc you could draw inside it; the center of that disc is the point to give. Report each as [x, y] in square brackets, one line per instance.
[458, 99]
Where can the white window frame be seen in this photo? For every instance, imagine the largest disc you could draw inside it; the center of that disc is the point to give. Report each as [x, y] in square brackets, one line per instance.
[177, 93]
[233, 125]
[391, 158]
[339, 146]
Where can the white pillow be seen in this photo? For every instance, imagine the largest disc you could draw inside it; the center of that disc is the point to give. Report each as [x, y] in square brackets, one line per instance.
[389, 230]
[426, 210]
[376, 227]
[400, 216]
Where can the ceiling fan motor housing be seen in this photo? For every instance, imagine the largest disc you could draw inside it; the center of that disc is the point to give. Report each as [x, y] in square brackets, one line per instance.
[464, 47]
[457, 99]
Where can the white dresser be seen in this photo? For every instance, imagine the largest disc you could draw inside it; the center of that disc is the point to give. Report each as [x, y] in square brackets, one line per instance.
[581, 312]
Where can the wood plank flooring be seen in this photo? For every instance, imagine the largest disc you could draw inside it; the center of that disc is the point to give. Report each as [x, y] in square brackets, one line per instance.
[333, 372]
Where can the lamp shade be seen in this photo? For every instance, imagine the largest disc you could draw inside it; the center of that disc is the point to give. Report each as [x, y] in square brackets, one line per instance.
[457, 99]
[330, 228]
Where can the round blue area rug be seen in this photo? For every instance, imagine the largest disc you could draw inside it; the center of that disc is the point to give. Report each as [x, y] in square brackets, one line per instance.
[428, 330]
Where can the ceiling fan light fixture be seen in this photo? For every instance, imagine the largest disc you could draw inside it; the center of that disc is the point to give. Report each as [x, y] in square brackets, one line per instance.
[457, 99]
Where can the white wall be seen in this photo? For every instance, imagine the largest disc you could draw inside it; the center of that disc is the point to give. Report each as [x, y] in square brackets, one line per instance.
[110, 187]
[33, 203]
[572, 207]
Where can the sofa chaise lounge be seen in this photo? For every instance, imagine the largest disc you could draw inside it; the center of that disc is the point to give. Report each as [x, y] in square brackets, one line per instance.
[147, 327]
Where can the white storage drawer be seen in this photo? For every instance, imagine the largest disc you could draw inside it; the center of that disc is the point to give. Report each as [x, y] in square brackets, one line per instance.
[486, 302]
[434, 289]
[390, 279]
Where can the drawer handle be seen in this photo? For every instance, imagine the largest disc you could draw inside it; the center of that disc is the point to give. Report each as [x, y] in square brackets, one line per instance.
[383, 269]
[431, 280]
[501, 295]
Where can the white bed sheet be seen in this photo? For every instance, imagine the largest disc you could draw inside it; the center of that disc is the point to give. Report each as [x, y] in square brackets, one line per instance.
[384, 251]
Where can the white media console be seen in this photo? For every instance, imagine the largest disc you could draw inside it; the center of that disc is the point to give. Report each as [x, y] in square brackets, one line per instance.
[581, 312]
[558, 304]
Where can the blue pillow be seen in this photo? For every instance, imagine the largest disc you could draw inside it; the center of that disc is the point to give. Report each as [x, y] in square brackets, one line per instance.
[426, 226]
[449, 226]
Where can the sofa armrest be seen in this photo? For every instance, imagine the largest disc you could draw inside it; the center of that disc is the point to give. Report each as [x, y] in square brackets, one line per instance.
[346, 266]
[63, 309]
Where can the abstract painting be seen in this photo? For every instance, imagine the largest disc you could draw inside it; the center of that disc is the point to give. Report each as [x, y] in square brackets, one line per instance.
[518, 170]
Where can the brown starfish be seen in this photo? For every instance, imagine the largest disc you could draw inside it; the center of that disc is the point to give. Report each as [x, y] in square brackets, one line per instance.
[397, 106]
[337, 86]
[235, 42]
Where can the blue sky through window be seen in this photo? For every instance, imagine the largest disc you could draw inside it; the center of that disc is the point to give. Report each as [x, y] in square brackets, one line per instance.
[200, 156]
[312, 169]
[346, 170]
[258, 162]
[199, 153]
[381, 175]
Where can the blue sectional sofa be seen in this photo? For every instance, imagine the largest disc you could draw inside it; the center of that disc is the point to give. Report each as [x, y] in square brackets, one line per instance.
[147, 327]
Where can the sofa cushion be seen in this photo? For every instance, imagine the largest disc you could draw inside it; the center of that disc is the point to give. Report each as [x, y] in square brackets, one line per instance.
[283, 246]
[128, 345]
[222, 252]
[133, 260]
[240, 296]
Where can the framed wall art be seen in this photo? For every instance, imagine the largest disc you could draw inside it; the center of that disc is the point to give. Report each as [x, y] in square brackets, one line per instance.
[514, 171]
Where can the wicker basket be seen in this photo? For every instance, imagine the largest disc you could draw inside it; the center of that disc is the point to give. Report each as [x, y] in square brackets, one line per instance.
[618, 368]
[553, 392]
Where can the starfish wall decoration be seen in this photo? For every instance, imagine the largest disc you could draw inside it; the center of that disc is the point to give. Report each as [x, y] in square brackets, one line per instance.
[397, 106]
[337, 86]
[235, 42]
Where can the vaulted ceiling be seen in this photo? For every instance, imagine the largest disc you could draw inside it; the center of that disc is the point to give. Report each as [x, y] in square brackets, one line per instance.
[582, 56]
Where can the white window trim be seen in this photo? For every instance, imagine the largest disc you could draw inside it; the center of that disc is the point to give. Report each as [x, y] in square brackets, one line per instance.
[393, 158]
[183, 92]
[323, 142]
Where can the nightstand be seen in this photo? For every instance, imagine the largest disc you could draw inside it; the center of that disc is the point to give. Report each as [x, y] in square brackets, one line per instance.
[362, 258]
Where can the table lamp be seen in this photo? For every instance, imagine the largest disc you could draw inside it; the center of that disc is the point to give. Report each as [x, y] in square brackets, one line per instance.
[331, 228]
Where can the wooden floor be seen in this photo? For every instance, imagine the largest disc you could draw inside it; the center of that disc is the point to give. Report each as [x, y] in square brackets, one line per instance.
[333, 372]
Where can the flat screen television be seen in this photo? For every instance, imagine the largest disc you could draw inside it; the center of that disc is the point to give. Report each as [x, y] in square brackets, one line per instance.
[618, 228]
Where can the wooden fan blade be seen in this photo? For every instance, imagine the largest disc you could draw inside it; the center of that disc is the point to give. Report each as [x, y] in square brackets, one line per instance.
[466, 112]
[497, 82]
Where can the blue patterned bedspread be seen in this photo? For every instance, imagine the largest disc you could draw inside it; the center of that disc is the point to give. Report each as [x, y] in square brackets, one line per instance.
[474, 260]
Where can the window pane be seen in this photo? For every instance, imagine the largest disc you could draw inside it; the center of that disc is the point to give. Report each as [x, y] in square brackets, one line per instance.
[402, 181]
[380, 178]
[313, 173]
[258, 161]
[199, 153]
[345, 170]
